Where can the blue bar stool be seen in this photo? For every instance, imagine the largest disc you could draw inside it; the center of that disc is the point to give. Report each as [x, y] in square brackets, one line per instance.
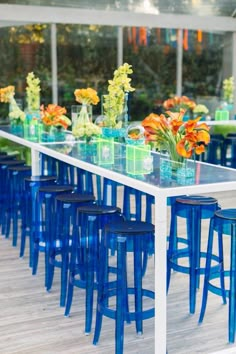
[85, 254]
[31, 187]
[16, 201]
[193, 209]
[229, 151]
[52, 167]
[66, 219]
[122, 235]
[45, 222]
[215, 150]
[5, 188]
[109, 192]
[223, 223]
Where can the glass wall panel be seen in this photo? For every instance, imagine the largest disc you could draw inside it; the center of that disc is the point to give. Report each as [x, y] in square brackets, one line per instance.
[203, 67]
[24, 49]
[87, 57]
[152, 53]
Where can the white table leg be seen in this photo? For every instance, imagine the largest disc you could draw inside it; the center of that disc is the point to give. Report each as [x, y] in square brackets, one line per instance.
[35, 162]
[160, 272]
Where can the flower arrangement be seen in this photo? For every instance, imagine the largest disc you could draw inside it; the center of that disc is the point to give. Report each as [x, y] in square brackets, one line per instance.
[54, 115]
[113, 105]
[180, 139]
[33, 92]
[83, 127]
[176, 103]
[228, 89]
[7, 94]
[200, 109]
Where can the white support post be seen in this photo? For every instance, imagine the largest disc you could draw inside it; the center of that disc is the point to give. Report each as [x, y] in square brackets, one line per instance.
[119, 46]
[54, 63]
[234, 68]
[179, 62]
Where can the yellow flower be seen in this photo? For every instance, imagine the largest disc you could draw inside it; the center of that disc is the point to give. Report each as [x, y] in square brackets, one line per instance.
[7, 93]
[86, 96]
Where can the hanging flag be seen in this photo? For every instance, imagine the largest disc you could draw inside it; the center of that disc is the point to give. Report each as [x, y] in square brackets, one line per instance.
[167, 36]
[134, 39]
[199, 36]
[158, 32]
[129, 35]
[185, 40]
[143, 36]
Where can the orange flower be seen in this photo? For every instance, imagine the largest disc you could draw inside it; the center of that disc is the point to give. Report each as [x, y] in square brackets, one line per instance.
[54, 115]
[181, 139]
[176, 103]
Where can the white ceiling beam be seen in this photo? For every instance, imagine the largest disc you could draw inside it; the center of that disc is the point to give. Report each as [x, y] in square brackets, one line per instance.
[51, 14]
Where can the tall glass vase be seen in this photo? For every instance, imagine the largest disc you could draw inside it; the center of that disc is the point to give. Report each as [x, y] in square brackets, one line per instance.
[81, 114]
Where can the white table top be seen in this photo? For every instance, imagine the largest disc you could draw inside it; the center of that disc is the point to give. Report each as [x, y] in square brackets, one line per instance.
[209, 178]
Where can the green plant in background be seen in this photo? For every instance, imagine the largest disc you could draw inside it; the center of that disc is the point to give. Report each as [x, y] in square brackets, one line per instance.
[33, 92]
[27, 34]
[228, 90]
[113, 105]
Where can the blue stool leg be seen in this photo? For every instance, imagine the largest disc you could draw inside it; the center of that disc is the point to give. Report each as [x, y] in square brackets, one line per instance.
[102, 283]
[207, 271]
[121, 294]
[193, 261]
[138, 284]
[73, 259]
[232, 292]
[92, 230]
[221, 261]
[172, 243]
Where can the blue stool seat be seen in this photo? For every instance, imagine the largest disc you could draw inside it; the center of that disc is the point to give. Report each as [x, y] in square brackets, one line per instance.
[66, 219]
[45, 222]
[193, 209]
[85, 254]
[7, 157]
[17, 199]
[223, 223]
[119, 233]
[32, 184]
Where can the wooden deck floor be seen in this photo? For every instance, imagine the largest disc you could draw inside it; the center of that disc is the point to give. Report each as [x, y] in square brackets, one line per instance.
[31, 321]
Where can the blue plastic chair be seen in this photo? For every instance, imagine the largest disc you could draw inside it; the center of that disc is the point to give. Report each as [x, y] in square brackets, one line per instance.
[17, 199]
[85, 254]
[66, 226]
[193, 209]
[32, 185]
[5, 189]
[45, 223]
[120, 235]
[223, 223]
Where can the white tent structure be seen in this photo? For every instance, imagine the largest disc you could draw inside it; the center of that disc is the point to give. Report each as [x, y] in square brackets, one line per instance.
[207, 15]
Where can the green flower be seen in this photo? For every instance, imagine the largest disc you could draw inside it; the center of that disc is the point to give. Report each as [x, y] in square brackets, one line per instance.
[228, 90]
[33, 92]
[16, 114]
[113, 105]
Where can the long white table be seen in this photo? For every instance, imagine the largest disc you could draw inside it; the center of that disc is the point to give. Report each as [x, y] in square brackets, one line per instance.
[209, 178]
